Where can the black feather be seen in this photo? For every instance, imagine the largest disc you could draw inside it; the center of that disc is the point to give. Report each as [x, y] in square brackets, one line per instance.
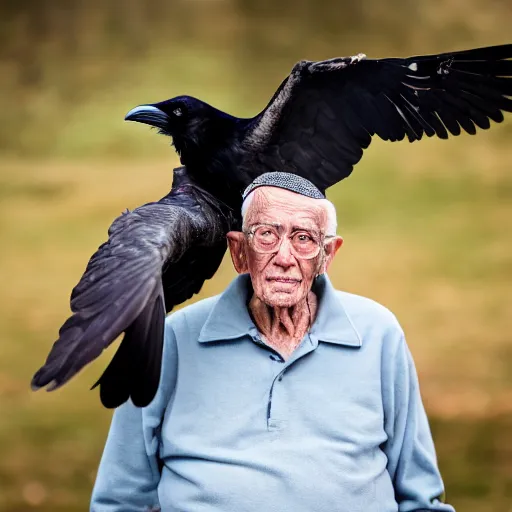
[122, 290]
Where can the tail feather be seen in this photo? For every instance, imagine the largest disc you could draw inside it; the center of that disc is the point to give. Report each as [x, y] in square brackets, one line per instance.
[135, 368]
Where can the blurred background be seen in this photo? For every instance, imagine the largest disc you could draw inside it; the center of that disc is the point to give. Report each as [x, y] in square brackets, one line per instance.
[426, 225]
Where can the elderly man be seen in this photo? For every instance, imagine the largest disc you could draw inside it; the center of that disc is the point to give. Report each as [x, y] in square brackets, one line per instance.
[281, 394]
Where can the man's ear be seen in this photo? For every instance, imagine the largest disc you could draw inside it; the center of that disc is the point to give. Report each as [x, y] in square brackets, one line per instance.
[236, 242]
[330, 250]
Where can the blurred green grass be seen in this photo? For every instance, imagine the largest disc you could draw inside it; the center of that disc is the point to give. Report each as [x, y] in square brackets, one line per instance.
[426, 226]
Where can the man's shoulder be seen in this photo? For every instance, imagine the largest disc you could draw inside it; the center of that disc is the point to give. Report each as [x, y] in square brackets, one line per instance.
[365, 312]
[193, 315]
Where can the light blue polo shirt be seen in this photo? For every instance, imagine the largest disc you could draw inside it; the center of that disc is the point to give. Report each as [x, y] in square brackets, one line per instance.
[338, 427]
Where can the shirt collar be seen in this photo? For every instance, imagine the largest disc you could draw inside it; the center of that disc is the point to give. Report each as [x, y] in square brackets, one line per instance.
[229, 319]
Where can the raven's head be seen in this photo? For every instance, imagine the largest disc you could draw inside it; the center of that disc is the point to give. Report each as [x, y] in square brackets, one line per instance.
[195, 127]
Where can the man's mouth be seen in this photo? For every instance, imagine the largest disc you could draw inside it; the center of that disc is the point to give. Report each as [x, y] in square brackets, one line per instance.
[290, 280]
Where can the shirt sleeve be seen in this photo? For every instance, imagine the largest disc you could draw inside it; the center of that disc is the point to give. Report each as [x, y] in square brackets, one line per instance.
[129, 471]
[412, 462]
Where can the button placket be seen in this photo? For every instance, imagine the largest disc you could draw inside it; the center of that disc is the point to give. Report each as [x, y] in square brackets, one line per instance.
[276, 405]
[275, 408]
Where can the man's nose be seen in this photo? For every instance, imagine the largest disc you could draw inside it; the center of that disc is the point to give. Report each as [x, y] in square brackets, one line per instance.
[284, 257]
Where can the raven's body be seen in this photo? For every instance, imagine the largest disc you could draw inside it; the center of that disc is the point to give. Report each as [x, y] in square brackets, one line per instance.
[317, 124]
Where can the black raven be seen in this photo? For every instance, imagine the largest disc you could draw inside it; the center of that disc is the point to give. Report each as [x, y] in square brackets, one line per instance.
[316, 125]
[325, 113]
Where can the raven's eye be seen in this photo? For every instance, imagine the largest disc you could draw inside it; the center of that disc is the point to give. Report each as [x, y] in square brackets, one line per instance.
[177, 112]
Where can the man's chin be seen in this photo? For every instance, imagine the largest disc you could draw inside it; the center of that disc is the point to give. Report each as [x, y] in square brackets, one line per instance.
[282, 299]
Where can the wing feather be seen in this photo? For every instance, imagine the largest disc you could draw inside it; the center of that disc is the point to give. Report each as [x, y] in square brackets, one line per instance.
[156, 256]
[341, 103]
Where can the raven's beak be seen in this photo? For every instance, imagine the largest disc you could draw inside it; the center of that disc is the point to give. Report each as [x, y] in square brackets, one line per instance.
[148, 114]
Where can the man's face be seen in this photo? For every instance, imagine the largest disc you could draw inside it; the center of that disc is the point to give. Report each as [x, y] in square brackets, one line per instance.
[282, 278]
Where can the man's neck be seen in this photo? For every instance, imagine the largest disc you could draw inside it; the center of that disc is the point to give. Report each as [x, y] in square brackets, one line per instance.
[284, 328]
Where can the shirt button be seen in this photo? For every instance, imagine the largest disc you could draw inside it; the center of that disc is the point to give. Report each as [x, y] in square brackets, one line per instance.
[280, 378]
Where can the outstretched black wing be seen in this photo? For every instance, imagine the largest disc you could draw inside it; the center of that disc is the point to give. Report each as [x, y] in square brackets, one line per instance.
[156, 256]
[325, 113]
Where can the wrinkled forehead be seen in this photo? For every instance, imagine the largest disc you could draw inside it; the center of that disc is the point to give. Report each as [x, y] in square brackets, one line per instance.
[274, 205]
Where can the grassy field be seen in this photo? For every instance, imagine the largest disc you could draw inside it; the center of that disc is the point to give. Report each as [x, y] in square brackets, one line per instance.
[427, 233]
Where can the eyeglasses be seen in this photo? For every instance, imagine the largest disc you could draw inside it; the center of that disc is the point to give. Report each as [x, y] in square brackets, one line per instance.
[267, 239]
